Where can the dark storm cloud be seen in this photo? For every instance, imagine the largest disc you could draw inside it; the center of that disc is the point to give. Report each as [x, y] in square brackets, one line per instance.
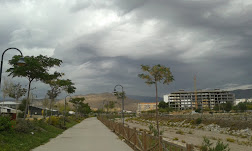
[103, 43]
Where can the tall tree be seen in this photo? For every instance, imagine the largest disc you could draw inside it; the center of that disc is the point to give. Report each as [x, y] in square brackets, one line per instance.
[45, 104]
[80, 106]
[36, 69]
[155, 74]
[57, 85]
[16, 92]
[6, 90]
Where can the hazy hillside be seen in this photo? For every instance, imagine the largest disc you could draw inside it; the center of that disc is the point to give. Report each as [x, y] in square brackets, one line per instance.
[96, 101]
[240, 94]
[145, 98]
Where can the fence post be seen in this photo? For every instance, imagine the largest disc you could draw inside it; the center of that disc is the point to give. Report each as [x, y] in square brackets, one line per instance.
[134, 137]
[160, 143]
[189, 147]
[128, 133]
[144, 141]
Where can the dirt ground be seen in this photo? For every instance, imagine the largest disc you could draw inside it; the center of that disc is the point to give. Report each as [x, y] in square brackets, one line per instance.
[195, 136]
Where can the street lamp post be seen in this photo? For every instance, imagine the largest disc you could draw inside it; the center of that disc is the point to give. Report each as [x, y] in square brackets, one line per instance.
[122, 101]
[65, 110]
[21, 62]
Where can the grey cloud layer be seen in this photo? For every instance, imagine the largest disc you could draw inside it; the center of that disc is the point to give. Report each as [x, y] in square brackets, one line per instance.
[103, 43]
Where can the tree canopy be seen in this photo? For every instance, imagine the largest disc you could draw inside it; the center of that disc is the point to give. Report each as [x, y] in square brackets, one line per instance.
[156, 73]
[36, 68]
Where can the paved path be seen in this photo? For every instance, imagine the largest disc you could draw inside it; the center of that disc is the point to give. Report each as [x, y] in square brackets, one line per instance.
[89, 135]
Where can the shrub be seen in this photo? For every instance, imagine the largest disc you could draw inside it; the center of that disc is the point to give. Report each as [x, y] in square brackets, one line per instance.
[175, 139]
[220, 146]
[5, 123]
[180, 132]
[230, 140]
[198, 121]
[24, 126]
[53, 121]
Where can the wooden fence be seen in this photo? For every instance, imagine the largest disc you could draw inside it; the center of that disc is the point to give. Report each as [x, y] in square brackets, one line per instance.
[141, 140]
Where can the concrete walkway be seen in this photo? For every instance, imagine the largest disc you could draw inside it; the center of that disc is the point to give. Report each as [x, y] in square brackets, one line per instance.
[89, 135]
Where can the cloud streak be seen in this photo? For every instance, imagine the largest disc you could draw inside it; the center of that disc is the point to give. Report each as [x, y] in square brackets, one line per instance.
[103, 43]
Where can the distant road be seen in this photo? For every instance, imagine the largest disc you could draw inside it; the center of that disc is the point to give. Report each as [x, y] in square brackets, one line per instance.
[89, 135]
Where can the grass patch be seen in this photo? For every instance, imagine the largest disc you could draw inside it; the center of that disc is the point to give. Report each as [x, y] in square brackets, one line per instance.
[39, 133]
[180, 132]
[230, 140]
[175, 138]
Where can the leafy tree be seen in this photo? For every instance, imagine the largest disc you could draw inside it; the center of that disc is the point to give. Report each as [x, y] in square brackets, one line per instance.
[57, 85]
[45, 104]
[242, 106]
[216, 107]
[80, 106]
[162, 105]
[110, 105]
[16, 91]
[36, 69]
[155, 74]
[228, 106]
[5, 90]
[22, 105]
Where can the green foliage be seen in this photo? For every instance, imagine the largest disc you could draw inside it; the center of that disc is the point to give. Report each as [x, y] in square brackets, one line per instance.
[162, 105]
[111, 105]
[67, 85]
[5, 123]
[156, 73]
[120, 95]
[198, 110]
[228, 106]
[81, 107]
[24, 126]
[216, 107]
[22, 105]
[16, 91]
[36, 68]
[198, 121]
[242, 106]
[220, 146]
[154, 131]
[55, 121]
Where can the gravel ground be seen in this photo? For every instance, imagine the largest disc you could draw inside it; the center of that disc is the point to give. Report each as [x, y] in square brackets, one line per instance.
[196, 136]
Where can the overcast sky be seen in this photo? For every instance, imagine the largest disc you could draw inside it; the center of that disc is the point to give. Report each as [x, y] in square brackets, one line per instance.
[103, 42]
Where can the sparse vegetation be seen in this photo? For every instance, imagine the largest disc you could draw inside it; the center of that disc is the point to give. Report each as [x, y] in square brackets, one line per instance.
[175, 139]
[24, 135]
[180, 132]
[230, 140]
[207, 146]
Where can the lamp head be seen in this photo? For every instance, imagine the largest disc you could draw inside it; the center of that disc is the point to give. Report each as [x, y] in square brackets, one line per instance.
[115, 92]
[21, 62]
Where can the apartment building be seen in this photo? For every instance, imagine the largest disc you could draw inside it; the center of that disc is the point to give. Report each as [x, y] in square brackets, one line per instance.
[182, 100]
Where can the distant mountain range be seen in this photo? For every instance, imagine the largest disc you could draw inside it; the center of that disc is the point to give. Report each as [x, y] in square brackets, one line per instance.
[145, 98]
[242, 94]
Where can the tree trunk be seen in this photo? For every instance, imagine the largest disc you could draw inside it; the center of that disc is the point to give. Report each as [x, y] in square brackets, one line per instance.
[28, 96]
[16, 109]
[157, 107]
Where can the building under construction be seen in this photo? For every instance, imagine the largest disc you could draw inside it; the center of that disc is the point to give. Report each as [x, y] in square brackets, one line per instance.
[182, 100]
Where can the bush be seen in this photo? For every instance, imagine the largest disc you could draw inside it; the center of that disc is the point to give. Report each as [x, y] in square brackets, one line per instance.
[24, 126]
[220, 146]
[180, 132]
[230, 140]
[5, 123]
[53, 121]
[198, 121]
